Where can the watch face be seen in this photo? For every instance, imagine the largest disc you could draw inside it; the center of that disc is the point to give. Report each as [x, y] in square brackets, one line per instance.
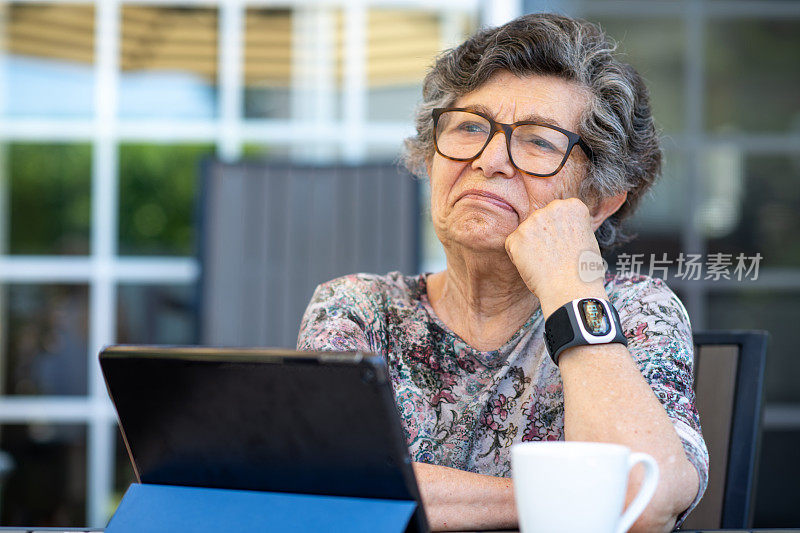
[594, 317]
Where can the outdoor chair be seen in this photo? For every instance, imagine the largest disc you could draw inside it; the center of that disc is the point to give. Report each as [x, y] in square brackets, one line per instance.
[270, 233]
[729, 379]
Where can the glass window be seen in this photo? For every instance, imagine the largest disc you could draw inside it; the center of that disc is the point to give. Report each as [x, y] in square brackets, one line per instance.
[401, 46]
[293, 63]
[751, 206]
[657, 223]
[267, 63]
[158, 188]
[47, 486]
[775, 312]
[384, 153]
[49, 198]
[44, 352]
[169, 62]
[656, 47]
[395, 102]
[752, 75]
[49, 46]
[157, 314]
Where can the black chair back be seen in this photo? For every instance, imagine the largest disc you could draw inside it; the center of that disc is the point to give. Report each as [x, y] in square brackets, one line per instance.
[729, 379]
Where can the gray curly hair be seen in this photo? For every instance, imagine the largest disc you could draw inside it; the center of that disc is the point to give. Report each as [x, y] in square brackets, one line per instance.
[617, 124]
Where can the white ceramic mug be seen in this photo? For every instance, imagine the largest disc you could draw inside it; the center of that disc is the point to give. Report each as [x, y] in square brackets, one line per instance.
[578, 487]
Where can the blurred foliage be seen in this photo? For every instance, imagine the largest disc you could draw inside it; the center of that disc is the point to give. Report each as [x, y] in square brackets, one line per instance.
[265, 151]
[156, 313]
[49, 198]
[158, 190]
[44, 351]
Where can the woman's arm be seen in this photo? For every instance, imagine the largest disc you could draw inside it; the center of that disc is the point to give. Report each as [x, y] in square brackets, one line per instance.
[606, 399]
[456, 500]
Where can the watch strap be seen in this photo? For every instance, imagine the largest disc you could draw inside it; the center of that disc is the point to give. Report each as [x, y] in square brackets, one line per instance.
[558, 331]
[562, 329]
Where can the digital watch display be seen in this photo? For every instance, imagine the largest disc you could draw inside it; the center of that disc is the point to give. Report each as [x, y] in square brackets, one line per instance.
[594, 316]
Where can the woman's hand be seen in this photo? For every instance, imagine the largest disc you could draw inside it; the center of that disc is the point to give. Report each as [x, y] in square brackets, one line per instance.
[547, 248]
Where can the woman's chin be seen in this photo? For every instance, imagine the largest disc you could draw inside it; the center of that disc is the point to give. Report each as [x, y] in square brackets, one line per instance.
[480, 237]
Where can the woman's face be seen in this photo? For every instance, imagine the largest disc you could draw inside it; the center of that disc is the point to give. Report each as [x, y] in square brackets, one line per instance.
[463, 213]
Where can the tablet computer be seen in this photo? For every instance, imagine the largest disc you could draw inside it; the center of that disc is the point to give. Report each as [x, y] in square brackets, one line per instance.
[261, 419]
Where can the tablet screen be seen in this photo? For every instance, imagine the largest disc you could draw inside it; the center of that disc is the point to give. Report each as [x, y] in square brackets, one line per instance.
[260, 420]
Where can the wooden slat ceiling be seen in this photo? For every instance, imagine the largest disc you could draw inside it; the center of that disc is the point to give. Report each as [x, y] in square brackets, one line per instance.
[401, 44]
[57, 31]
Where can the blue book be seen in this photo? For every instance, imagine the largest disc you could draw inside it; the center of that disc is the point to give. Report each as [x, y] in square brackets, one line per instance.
[148, 508]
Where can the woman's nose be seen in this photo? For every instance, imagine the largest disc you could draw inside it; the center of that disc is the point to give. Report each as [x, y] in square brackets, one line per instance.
[495, 160]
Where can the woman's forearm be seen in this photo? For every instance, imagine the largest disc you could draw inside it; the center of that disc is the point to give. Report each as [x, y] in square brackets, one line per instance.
[457, 500]
[606, 399]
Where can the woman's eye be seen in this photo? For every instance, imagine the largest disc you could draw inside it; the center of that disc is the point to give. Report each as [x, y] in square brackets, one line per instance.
[538, 142]
[471, 127]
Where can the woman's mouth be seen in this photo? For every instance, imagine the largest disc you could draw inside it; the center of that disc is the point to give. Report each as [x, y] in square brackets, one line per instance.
[485, 196]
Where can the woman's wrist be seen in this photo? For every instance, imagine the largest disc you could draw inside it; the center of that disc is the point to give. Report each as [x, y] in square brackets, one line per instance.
[555, 296]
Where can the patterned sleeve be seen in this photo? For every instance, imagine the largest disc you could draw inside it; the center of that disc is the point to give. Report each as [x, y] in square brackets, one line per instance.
[660, 340]
[340, 317]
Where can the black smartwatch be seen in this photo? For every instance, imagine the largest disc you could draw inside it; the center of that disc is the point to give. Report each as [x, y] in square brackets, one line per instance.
[580, 322]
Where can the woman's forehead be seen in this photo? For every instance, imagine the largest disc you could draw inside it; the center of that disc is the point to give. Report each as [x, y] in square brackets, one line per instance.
[509, 98]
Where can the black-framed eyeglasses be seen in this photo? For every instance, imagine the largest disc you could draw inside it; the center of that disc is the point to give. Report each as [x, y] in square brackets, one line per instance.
[536, 149]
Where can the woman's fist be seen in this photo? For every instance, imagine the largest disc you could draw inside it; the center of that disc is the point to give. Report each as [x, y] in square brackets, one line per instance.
[547, 248]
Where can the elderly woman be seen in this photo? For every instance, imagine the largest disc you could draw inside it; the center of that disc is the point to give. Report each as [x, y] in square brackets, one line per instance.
[537, 142]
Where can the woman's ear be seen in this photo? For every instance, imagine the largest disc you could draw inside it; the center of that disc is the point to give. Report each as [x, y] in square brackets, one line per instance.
[607, 207]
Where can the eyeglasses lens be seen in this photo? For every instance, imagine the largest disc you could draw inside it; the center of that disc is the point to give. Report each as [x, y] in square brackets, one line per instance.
[535, 149]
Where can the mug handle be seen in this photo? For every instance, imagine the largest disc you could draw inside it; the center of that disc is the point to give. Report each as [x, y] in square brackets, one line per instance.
[646, 491]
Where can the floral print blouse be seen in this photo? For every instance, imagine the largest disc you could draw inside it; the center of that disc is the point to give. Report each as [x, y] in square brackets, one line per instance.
[463, 407]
